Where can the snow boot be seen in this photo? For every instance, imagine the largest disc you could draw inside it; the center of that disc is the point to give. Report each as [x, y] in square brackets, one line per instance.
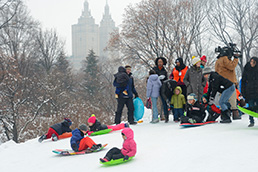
[95, 147]
[54, 137]
[251, 125]
[154, 121]
[236, 115]
[105, 159]
[133, 123]
[43, 137]
[225, 116]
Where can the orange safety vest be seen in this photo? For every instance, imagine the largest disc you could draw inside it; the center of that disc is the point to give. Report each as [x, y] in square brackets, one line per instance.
[176, 74]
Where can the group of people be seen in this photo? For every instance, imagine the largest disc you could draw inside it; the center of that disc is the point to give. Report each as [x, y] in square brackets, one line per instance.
[194, 89]
[79, 142]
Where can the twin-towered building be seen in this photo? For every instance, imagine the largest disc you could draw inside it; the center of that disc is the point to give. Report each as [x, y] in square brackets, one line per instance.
[87, 35]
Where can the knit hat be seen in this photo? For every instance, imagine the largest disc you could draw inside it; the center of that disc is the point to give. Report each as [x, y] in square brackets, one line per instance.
[92, 119]
[206, 70]
[192, 96]
[203, 58]
[128, 67]
[83, 127]
[195, 60]
[68, 120]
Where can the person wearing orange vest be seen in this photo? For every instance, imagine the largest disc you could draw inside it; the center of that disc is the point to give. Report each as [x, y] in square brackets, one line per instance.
[178, 74]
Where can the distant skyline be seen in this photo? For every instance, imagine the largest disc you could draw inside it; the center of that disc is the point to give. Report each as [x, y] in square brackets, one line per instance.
[62, 14]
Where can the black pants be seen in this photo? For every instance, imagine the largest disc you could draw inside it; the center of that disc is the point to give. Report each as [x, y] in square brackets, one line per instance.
[120, 105]
[114, 153]
[184, 119]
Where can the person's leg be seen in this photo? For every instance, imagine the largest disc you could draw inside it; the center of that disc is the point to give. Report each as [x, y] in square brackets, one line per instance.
[50, 132]
[86, 143]
[130, 107]
[180, 113]
[165, 108]
[120, 106]
[154, 108]
[176, 114]
[114, 153]
[251, 119]
[226, 94]
[116, 127]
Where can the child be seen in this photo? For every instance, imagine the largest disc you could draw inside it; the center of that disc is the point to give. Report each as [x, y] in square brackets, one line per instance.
[213, 111]
[95, 125]
[79, 142]
[121, 82]
[195, 112]
[177, 103]
[128, 150]
[153, 89]
[57, 129]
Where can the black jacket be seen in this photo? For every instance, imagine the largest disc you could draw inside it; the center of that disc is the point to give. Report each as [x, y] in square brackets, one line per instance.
[121, 77]
[97, 126]
[217, 83]
[161, 72]
[196, 111]
[250, 82]
[61, 128]
[167, 89]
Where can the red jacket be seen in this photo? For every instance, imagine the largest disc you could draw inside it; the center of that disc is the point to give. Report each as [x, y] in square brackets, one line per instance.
[129, 145]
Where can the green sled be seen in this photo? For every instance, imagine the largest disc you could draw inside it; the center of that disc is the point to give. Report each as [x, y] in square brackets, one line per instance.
[101, 132]
[116, 162]
[249, 112]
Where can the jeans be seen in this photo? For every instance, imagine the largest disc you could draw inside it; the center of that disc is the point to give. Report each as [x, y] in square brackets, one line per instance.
[252, 103]
[178, 113]
[154, 108]
[226, 94]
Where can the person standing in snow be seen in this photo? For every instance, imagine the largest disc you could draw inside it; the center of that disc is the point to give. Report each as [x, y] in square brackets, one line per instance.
[194, 80]
[129, 148]
[160, 70]
[250, 86]
[177, 104]
[153, 92]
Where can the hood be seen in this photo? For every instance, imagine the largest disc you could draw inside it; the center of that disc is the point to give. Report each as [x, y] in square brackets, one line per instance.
[182, 65]
[178, 88]
[154, 77]
[128, 132]
[121, 69]
[248, 66]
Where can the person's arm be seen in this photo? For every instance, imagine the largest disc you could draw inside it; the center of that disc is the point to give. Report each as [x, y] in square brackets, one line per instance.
[149, 88]
[243, 84]
[171, 76]
[230, 64]
[133, 88]
[186, 78]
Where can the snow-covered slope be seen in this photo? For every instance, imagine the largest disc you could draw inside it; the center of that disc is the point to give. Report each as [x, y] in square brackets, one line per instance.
[161, 147]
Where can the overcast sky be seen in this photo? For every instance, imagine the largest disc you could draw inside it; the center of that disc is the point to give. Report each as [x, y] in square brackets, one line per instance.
[61, 14]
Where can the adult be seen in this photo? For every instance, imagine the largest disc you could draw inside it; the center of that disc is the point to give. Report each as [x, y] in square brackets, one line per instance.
[178, 74]
[225, 67]
[194, 80]
[124, 94]
[250, 86]
[218, 83]
[160, 70]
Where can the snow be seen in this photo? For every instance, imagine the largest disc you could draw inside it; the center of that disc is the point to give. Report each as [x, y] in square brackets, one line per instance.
[160, 147]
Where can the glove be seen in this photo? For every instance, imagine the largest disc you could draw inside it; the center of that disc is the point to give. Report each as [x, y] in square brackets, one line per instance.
[74, 147]
[126, 157]
[211, 101]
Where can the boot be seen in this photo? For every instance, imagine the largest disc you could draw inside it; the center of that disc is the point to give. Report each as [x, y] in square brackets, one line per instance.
[225, 116]
[209, 117]
[54, 137]
[236, 115]
[105, 159]
[43, 137]
[215, 116]
[251, 125]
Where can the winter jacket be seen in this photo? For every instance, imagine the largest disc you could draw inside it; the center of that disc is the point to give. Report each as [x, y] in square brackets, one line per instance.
[62, 127]
[250, 81]
[131, 87]
[217, 83]
[161, 72]
[97, 126]
[153, 86]
[226, 68]
[178, 101]
[129, 145]
[167, 89]
[178, 73]
[195, 81]
[77, 135]
[196, 111]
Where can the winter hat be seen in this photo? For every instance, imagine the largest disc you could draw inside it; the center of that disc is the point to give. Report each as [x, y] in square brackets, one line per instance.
[192, 96]
[128, 67]
[68, 120]
[203, 58]
[83, 127]
[195, 60]
[92, 119]
[206, 70]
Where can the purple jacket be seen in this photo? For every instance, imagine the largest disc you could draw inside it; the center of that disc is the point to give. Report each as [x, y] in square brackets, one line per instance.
[153, 86]
[129, 145]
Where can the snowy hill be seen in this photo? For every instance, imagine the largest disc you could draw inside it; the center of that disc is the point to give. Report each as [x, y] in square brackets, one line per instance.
[161, 147]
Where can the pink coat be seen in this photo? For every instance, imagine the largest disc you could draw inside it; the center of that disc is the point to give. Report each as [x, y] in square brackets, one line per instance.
[129, 145]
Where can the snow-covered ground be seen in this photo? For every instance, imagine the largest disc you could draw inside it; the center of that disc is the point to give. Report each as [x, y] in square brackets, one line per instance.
[161, 147]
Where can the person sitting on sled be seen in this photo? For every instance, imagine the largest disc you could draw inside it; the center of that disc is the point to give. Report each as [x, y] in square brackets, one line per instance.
[128, 150]
[95, 125]
[195, 112]
[56, 130]
[79, 142]
[213, 111]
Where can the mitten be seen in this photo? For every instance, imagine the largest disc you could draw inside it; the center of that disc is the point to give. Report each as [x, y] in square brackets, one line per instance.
[126, 157]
